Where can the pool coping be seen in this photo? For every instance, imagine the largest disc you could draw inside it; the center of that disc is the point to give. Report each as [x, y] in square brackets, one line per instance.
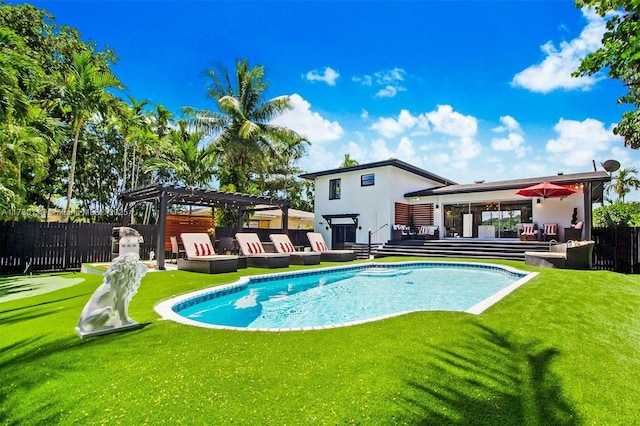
[166, 307]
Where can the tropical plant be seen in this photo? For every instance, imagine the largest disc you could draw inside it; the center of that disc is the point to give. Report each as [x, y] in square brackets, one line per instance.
[348, 162]
[81, 92]
[185, 157]
[620, 56]
[617, 214]
[250, 144]
[624, 182]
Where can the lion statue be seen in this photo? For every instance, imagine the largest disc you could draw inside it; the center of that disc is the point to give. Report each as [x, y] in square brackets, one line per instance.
[108, 307]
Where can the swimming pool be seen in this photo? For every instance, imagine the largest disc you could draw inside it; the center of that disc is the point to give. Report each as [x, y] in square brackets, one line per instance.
[342, 296]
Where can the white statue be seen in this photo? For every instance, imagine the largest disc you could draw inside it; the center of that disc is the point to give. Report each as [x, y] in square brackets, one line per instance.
[107, 310]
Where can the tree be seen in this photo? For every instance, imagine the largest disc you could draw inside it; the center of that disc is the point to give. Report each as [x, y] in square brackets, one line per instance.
[348, 162]
[624, 182]
[242, 127]
[185, 158]
[81, 93]
[620, 54]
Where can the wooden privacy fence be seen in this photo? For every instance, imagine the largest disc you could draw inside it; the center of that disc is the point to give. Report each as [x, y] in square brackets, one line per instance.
[617, 249]
[52, 246]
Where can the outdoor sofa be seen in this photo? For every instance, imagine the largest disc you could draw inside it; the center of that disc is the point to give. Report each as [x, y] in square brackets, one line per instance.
[569, 255]
[200, 256]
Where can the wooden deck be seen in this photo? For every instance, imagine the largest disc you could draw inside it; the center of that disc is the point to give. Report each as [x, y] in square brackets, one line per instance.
[460, 247]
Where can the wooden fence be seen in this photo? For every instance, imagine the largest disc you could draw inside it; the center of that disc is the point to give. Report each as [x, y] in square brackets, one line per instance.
[53, 246]
[617, 249]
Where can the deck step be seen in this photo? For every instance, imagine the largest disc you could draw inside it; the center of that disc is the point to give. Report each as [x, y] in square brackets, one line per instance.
[480, 249]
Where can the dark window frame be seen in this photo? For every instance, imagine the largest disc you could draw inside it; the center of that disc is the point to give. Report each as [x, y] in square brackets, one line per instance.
[368, 179]
[334, 189]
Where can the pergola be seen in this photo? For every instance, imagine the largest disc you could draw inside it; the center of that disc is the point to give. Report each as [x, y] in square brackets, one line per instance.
[167, 195]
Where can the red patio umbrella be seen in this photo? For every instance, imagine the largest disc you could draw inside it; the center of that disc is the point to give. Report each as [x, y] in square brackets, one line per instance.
[545, 190]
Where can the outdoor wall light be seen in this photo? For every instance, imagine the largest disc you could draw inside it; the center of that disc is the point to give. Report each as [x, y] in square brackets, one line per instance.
[437, 206]
[538, 201]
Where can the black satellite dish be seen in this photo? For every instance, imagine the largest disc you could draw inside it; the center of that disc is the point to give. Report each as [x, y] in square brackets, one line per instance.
[610, 165]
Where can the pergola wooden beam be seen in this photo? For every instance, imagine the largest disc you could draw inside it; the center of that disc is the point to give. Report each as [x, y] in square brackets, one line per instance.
[167, 195]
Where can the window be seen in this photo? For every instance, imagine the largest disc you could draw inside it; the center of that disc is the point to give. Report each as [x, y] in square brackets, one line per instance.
[368, 180]
[334, 189]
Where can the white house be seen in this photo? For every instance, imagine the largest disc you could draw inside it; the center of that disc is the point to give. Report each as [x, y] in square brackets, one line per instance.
[381, 196]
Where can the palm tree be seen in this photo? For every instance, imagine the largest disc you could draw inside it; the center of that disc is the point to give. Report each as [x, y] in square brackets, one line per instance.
[185, 157]
[162, 118]
[81, 93]
[624, 182]
[242, 127]
[348, 162]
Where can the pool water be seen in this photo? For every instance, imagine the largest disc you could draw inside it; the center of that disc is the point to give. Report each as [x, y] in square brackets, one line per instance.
[343, 296]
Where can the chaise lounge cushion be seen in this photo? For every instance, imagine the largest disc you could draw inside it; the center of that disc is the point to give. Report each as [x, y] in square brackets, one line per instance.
[318, 245]
[251, 247]
[282, 244]
[200, 256]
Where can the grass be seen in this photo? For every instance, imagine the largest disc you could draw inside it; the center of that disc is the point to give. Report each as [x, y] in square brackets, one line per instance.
[562, 349]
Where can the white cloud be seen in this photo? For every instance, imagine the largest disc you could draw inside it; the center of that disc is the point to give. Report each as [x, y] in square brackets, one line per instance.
[308, 123]
[390, 76]
[389, 81]
[580, 142]
[366, 80]
[328, 76]
[364, 114]
[445, 120]
[387, 92]
[508, 124]
[390, 127]
[554, 72]
[514, 141]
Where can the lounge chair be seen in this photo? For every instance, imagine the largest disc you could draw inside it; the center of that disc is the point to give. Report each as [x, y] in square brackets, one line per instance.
[550, 231]
[570, 255]
[200, 256]
[251, 247]
[282, 244]
[318, 245]
[527, 232]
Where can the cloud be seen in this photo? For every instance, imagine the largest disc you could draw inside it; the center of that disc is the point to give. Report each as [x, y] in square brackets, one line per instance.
[580, 142]
[388, 80]
[390, 127]
[514, 141]
[308, 123]
[329, 76]
[445, 120]
[554, 72]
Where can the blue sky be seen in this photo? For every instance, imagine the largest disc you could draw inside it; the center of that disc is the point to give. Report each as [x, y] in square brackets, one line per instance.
[469, 90]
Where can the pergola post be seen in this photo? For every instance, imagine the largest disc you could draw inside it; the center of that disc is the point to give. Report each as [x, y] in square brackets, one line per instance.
[240, 214]
[588, 209]
[162, 230]
[285, 218]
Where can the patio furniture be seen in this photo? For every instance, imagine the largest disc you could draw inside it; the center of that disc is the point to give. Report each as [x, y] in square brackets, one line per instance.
[550, 232]
[570, 255]
[326, 255]
[527, 232]
[428, 233]
[201, 257]
[175, 249]
[282, 244]
[251, 247]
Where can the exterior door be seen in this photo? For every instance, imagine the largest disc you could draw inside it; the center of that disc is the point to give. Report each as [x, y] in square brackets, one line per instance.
[341, 234]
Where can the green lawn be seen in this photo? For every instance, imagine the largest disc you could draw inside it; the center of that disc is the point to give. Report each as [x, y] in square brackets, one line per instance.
[562, 349]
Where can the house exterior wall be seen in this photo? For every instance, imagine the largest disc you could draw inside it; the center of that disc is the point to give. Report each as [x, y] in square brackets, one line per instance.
[374, 204]
[550, 210]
